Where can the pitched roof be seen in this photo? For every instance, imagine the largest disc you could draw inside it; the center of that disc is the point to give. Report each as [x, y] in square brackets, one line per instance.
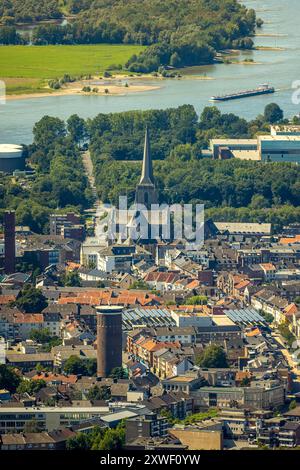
[268, 266]
[6, 299]
[49, 377]
[160, 277]
[193, 284]
[291, 309]
[28, 317]
[290, 240]
[147, 171]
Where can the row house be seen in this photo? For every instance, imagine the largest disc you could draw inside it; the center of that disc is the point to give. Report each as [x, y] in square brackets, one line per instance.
[167, 363]
[143, 349]
[161, 281]
[281, 309]
[15, 325]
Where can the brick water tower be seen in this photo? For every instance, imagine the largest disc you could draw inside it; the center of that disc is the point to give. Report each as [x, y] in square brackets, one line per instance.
[109, 339]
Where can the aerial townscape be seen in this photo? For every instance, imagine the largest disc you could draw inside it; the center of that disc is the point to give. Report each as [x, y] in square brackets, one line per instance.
[119, 331]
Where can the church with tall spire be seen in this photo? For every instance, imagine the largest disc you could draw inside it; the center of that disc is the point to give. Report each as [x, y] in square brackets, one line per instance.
[146, 193]
[144, 222]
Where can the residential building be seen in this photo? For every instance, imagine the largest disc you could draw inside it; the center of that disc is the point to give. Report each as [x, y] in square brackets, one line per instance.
[149, 425]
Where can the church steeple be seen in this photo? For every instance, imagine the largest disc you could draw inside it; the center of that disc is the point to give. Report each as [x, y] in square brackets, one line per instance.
[145, 191]
[147, 171]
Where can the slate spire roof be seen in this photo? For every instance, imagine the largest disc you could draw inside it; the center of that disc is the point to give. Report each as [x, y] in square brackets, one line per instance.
[147, 171]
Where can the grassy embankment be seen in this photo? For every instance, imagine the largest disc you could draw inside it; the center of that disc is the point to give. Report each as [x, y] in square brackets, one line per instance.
[27, 69]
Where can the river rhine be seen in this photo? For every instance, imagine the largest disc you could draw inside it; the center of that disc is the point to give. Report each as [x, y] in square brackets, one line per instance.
[279, 68]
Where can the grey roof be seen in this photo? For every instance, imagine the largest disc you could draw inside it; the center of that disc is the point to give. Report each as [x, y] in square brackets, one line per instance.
[244, 228]
[148, 317]
[245, 316]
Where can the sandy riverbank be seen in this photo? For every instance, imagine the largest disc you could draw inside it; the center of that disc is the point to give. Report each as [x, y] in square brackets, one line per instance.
[112, 87]
[118, 85]
[269, 48]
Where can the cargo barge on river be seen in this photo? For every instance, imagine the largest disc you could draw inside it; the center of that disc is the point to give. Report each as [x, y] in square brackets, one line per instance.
[261, 90]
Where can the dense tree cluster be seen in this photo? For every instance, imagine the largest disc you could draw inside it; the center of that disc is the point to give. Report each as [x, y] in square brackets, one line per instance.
[76, 365]
[213, 356]
[59, 184]
[31, 300]
[9, 35]
[9, 379]
[28, 11]
[231, 190]
[99, 439]
[31, 386]
[179, 32]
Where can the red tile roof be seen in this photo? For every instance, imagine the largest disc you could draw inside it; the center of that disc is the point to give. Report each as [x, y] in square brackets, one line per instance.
[6, 299]
[49, 377]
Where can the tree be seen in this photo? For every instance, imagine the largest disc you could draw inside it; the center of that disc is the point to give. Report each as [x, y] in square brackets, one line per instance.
[259, 202]
[99, 393]
[31, 386]
[292, 405]
[267, 316]
[213, 356]
[197, 300]
[175, 60]
[79, 442]
[140, 285]
[168, 415]
[91, 366]
[48, 131]
[273, 113]
[286, 333]
[245, 382]
[77, 129]
[31, 300]
[32, 426]
[9, 380]
[40, 336]
[71, 279]
[113, 439]
[76, 365]
[119, 373]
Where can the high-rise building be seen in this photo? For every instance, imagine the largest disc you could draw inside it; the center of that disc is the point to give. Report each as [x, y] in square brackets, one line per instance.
[109, 339]
[9, 242]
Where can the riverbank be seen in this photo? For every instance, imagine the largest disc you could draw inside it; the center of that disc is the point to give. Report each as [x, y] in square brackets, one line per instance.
[80, 88]
[118, 85]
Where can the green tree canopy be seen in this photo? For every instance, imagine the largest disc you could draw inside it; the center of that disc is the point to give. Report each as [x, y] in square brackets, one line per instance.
[77, 129]
[99, 393]
[40, 335]
[119, 373]
[213, 356]
[197, 300]
[9, 380]
[31, 386]
[76, 365]
[273, 113]
[71, 279]
[31, 300]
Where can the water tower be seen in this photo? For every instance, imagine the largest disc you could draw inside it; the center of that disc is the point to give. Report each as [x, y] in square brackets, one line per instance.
[109, 339]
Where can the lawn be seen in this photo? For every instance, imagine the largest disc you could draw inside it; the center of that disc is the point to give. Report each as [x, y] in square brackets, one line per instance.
[35, 64]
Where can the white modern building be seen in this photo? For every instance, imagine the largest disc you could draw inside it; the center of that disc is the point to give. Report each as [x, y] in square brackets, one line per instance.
[281, 145]
[279, 148]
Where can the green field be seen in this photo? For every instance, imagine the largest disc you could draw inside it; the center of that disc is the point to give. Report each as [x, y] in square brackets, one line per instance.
[26, 68]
